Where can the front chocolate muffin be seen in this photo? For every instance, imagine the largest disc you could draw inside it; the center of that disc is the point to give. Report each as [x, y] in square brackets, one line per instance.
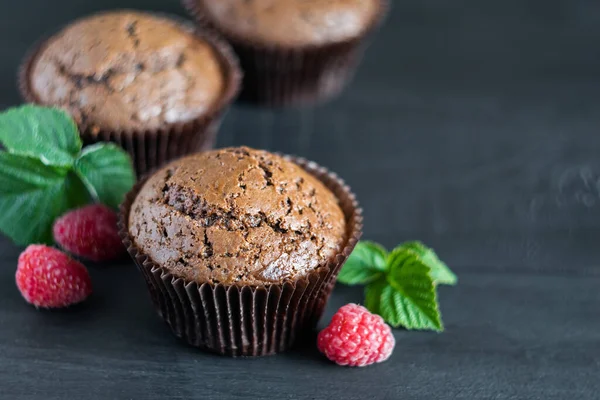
[237, 217]
[134, 74]
[240, 248]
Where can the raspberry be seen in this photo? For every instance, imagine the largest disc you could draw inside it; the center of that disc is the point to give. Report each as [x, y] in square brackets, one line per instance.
[356, 338]
[48, 278]
[90, 232]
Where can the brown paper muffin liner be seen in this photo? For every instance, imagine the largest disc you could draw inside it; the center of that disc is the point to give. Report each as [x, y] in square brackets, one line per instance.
[246, 320]
[151, 148]
[285, 76]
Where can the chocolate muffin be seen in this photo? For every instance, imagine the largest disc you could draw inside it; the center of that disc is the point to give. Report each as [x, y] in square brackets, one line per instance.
[236, 217]
[238, 226]
[293, 51]
[293, 22]
[135, 74]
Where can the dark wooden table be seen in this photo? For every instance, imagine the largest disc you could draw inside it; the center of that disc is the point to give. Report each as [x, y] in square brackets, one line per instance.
[473, 126]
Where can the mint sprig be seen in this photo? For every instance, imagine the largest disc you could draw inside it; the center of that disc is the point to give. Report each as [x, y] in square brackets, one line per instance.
[440, 272]
[367, 263]
[401, 285]
[106, 171]
[46, 134]
[44, 172]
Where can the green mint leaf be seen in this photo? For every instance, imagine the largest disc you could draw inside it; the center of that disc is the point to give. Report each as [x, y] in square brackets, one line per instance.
[107, 172]
[410, 299]
[33, 195]
[373, 293]
[440, 272]
[47, 134]
[365, 264]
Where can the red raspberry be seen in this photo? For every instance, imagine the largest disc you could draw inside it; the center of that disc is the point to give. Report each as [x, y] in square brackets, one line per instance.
[90, 232]
[356, 338]
[48, 278]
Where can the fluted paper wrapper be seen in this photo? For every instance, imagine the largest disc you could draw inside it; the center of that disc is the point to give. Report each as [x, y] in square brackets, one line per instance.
[246, 320]
[152, 148]
[286, 76]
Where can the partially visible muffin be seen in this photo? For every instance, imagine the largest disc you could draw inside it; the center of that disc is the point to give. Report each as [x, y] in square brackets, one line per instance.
[237, 216]
[154, 84]
[293, 52]
[293, 22]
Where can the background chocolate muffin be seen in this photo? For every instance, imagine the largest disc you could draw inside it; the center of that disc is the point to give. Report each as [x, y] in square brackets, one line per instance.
[128, 70]
[293, 51]
[237, 216]
[240, 248]
[134, 74]
[293, 22]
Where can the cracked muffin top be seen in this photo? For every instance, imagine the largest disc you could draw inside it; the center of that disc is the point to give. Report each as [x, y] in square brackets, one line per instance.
[127, 70]
[236, 216]
[293, 22]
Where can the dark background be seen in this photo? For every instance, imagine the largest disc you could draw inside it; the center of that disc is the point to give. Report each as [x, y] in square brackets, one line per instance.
[472, 126]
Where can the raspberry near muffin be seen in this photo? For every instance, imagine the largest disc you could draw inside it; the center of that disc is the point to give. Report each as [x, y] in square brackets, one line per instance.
[240, 248]
[129, 71]
[293, 51]
[236, 217]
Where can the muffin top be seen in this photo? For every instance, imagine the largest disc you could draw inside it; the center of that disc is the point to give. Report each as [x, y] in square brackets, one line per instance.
[293, 22]
[127, 70]
[236, 216]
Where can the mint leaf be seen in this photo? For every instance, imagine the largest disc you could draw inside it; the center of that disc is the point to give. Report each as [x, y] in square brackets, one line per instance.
[43, 174]
[440, 272]
[32, 195]
[410, 299]
[47, 134]
[365, 264]
[107, 172]
[373, 293]
[401, 285]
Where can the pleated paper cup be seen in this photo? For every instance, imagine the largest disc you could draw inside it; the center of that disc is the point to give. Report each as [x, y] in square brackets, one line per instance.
[246, 320]
[151, 148]
[276, 75]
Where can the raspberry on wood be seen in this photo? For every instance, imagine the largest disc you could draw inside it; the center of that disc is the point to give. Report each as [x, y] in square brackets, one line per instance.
[90, 232]
[48, 278]
[356, 338]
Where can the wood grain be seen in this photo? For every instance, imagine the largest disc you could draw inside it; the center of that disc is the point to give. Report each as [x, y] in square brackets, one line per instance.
[471, 126]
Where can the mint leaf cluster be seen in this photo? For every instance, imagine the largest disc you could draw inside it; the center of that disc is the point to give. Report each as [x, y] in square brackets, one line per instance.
[401, 284]
[44, 172]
